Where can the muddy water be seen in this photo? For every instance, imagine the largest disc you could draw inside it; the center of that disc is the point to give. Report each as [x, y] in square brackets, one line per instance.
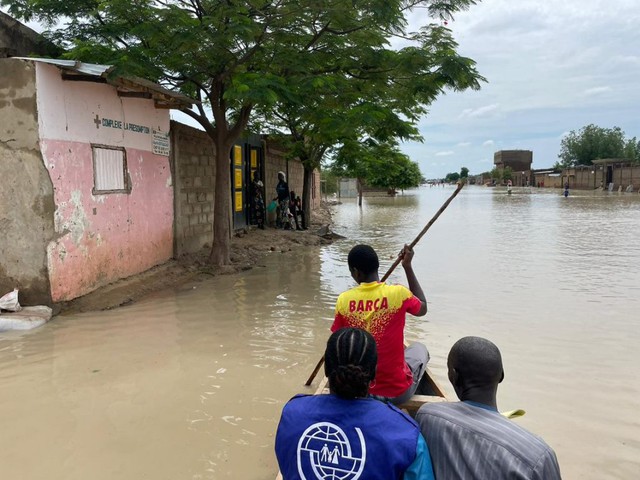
[189, 382]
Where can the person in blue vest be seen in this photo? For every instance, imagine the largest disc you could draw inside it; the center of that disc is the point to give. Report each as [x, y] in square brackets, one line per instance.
[345, 434]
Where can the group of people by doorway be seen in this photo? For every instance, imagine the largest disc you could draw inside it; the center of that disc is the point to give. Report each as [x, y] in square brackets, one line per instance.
[287, 205]
[357, 432]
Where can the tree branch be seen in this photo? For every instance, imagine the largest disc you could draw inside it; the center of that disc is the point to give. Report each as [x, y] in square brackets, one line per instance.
[204, 121]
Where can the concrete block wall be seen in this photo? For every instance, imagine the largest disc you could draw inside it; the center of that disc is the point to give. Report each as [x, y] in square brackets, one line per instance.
[583, 178]
[193, 169]
[275, 161]
[627, 176]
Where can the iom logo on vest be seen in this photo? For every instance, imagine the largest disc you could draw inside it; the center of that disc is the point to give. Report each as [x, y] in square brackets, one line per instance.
[324, 453]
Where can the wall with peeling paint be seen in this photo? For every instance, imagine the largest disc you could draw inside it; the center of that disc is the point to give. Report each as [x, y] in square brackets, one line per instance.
[26, 192]
[101, 238]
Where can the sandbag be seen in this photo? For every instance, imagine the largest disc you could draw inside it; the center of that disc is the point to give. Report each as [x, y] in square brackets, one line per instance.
[10, 301]
[26, 319]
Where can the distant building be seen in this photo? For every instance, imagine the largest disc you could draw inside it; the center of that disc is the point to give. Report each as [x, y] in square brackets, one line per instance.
[613, 173]
[546, 177]
[348, 188]
[520, 163]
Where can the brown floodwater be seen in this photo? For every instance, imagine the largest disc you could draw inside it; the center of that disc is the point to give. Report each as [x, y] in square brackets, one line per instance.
[189, 382]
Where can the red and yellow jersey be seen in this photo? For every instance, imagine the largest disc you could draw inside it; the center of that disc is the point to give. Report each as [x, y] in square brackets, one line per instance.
[380, 309]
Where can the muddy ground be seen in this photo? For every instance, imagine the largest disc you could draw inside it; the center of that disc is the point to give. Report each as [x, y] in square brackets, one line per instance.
[248, 246]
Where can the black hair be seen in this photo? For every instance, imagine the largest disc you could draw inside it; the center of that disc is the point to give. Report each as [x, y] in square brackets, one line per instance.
[350, 362]
[477, 360]
[364, 259]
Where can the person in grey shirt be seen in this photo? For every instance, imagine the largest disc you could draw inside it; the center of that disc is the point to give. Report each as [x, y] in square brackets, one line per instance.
[470, 439]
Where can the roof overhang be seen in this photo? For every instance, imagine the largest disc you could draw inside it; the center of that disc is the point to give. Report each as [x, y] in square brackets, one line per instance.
[126, 86]
[606, 161]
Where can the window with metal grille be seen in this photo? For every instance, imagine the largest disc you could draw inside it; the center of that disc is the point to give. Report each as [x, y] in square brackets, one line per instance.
[110, 170]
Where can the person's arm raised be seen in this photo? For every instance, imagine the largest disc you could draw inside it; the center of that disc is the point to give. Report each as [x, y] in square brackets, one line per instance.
[407, 256]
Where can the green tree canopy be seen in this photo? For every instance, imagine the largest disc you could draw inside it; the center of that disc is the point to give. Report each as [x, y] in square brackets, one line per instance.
[378, 164]
[235, 57]
[464, 172]
[376, 93]
[592, 142]
[452, 177]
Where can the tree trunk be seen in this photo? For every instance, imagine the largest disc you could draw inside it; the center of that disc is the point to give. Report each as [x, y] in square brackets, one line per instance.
[306, 196]
[359, 185]
[221, 245]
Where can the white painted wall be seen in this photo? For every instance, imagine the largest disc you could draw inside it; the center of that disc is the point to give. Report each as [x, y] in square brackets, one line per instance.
[67, 110]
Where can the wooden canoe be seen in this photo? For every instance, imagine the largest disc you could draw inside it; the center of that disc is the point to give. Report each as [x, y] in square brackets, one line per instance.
[430, 392]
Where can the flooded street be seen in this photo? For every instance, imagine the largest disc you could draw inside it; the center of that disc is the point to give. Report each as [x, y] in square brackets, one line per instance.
[189, 383]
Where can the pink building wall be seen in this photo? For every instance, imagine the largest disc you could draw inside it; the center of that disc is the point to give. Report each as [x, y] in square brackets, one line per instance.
[101, 238]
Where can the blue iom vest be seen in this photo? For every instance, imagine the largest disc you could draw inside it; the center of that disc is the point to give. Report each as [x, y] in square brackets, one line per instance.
[326, 437]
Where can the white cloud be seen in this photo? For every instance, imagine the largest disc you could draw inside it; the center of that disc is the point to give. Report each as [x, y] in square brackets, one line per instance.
[463, 144]
[445, 154]
[479, 112]
[488, 143]
[596, 91]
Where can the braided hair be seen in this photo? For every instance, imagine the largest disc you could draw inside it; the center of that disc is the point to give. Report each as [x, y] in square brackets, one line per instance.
[350, 362]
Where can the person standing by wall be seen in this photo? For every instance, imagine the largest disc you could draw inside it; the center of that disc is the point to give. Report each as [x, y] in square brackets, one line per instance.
[295, 208]
[257, 201]
[282, 191]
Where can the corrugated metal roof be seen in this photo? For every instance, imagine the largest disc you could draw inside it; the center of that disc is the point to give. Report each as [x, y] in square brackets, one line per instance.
[73, 65]
[160, 94]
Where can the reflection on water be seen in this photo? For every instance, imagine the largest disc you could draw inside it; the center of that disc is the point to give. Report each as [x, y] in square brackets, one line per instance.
[190, 382]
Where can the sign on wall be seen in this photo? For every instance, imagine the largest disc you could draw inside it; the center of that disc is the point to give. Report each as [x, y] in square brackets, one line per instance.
[160, 143]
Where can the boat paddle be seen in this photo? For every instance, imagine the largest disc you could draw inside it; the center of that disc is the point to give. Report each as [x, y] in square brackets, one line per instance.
[397, 262]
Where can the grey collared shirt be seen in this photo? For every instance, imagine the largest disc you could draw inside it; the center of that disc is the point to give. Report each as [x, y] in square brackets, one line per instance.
[471, 442]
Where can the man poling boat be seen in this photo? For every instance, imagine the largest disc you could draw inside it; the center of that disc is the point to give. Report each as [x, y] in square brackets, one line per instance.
[363, 272]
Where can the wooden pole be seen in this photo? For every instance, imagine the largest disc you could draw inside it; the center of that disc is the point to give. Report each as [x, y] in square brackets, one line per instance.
[315, 372]
[424, 230]
[397, 262]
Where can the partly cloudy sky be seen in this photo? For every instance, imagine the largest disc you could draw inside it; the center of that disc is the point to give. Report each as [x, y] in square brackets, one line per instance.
[552, 66]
